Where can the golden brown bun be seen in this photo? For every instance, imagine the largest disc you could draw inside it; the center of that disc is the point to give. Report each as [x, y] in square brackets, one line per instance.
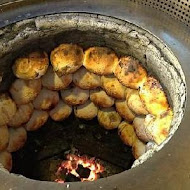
[66, 59]
[154, 128]
[160, 127]
[7, 109]
[135, 104]
[4, 137]
[85, 79]
[31, 66]
[75, 96]
[100, 98]
[17, 139]
[124, 111]
[127, 133]
[100, 60]
[86, 111]
[140, 124]
[36, 121]
[46, 99]
[113, 87]
[61, 111]
[130, 73]
[138, 148]
[153, 96]
[6, 160]
[109, 118]
[53, 82]
[24, 91]
[22, 115]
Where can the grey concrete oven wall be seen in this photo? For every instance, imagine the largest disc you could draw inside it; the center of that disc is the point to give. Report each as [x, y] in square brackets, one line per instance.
[46, 32]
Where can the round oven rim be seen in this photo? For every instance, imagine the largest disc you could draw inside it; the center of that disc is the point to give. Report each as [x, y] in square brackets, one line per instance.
[138, 169]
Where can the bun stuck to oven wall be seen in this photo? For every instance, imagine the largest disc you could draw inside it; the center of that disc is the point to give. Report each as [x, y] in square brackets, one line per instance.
[61, 111]
[6, 160]
[21, 116]
[100, 98]
[154, 128]
[17, 139]
[124, 110]
[53, 82]
[86, 111]
[100, 60]
[113, 87]
[138, 148]
[4, 137]
[109, 118]
[31, 66]
[153, 96]
[85, 79]
[46, 99]
[24, 91]
[135, 103]
[37, 120]
[66, 59]
[75, 96]
[130, 73]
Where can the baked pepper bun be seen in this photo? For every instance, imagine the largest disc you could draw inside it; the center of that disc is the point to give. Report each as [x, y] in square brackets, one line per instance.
[100, 60]
[31, 66]
[66, 59]
[130, 72]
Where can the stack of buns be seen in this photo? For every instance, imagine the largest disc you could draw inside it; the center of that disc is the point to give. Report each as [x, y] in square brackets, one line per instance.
[93, 83]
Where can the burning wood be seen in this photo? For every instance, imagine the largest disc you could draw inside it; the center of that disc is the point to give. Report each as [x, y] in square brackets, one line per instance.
[80, 168]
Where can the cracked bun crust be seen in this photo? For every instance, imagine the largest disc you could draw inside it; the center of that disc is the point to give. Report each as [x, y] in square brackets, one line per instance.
[100, 60]
[109, 118]
[86, 111]
[100, 98]
[130, 73]
[85, 79]
[24, 91]
[113, 87]
[66, 59]
[153, 96]
[61, 111]
[75, 96]
[53, 82]
[31, 66]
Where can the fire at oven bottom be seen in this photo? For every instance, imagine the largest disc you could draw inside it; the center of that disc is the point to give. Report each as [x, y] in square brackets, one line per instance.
[52, 152]
[78, 168]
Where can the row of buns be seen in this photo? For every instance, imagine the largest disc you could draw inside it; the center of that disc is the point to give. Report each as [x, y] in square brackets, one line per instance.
[92, 83]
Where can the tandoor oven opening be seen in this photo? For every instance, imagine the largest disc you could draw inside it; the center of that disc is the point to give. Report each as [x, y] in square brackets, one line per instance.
[84, 97]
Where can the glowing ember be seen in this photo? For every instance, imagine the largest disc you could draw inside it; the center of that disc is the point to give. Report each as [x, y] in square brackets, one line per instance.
[72, 166]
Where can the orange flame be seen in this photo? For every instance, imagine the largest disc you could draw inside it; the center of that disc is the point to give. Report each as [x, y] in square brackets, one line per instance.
[71, 165]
